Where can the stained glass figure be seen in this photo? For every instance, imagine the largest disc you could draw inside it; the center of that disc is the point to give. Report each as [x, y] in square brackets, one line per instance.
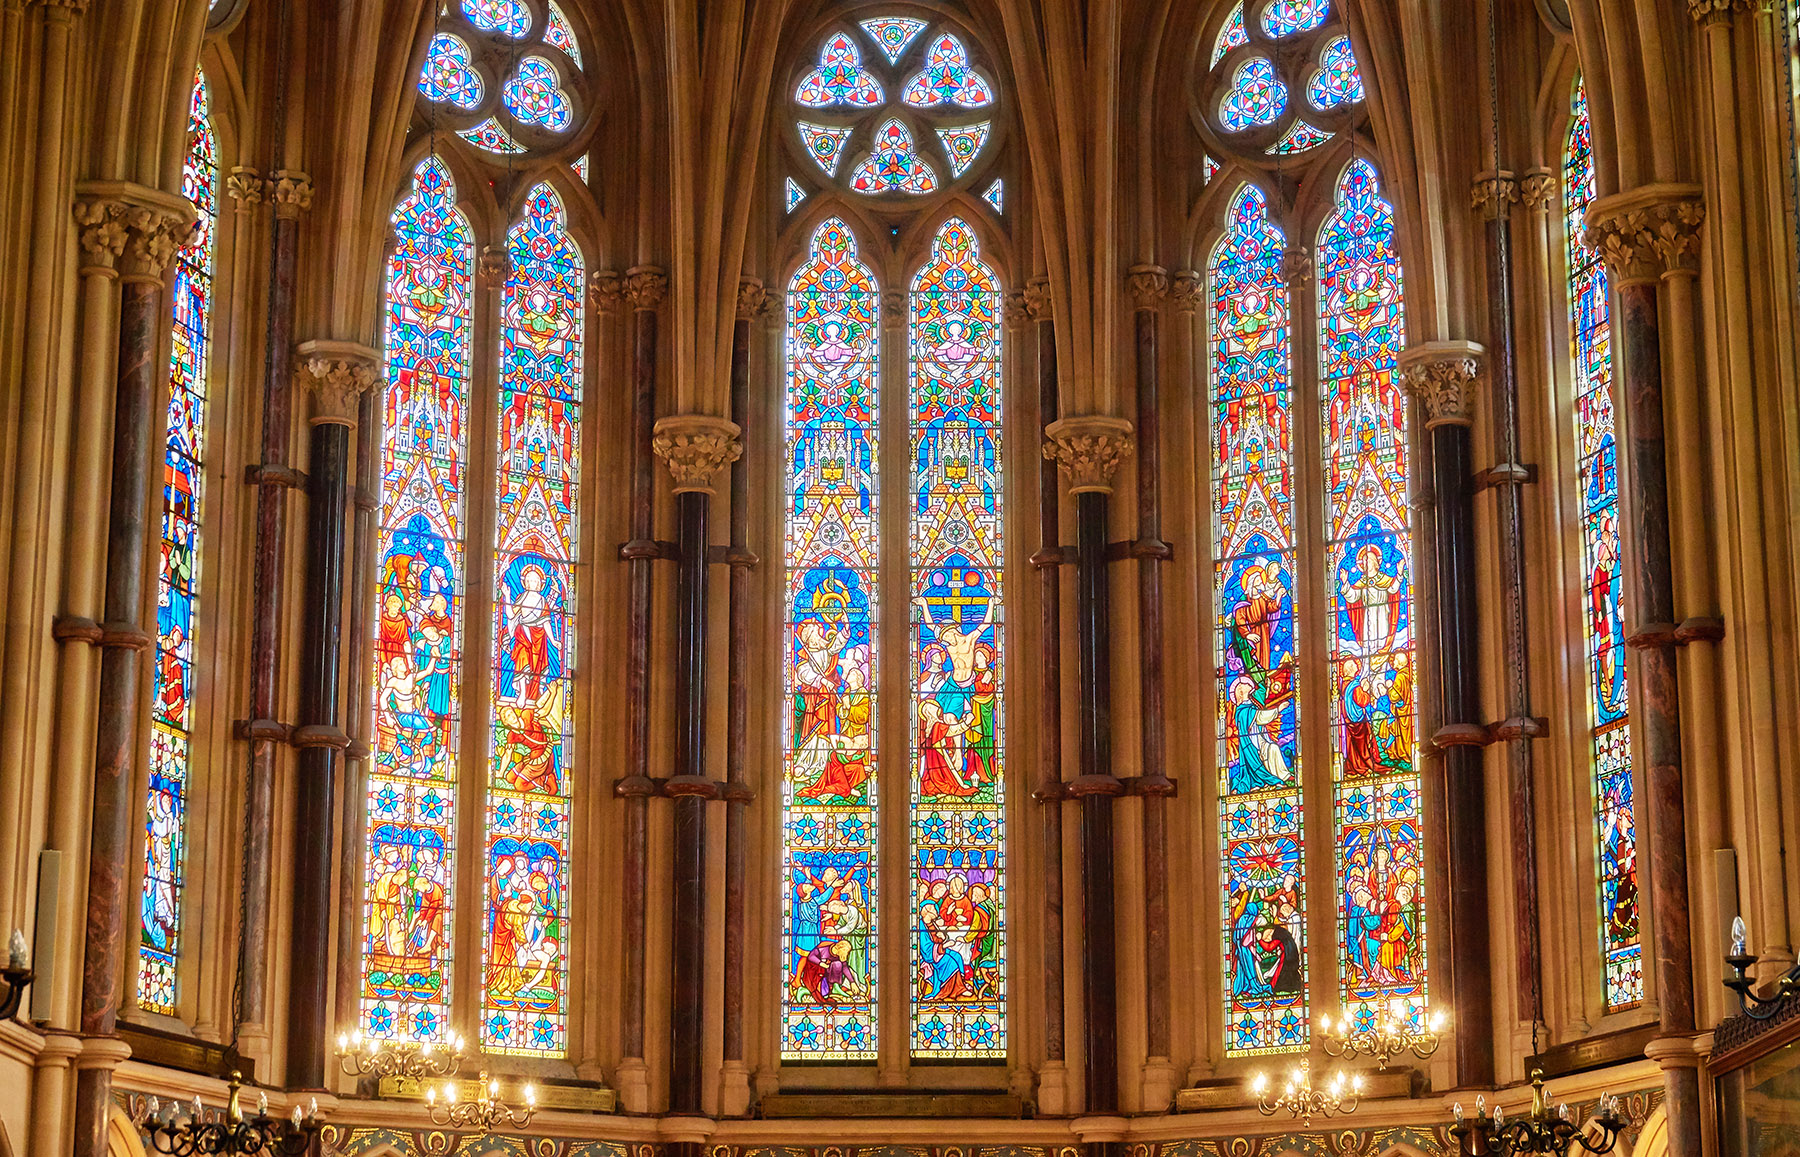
[524, 988]
[948, 78]
[893, 33]
[558, 34]
[958, 558]
[448, 76]
[178, 574]
[534, 95]
[963, 145]
[793, 194]
[995, 196]
[1256, 96]
[894, 166]
[490, 136]
[1337, 82]
[421, 586]
[1231, 35]
[1369, 577]
[1590, 339]
[831, 559]
[840, 78]
[1300, 137]
[509, 18]
[824, 143]
[1291, 17]
[1260, 812]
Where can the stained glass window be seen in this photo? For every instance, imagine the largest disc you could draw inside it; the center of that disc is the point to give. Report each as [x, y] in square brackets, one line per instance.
[1289, 17]
[893, 33]
[840, 78]
[894, 166]
[996, 195]
[958, 748]
[178, 575]
[829, 813]
[1369, 576]
[824, 143]
[963, 145]
[490, 136]
[558, 34]
[448, 76]
[524, 986]
[1256, 96]
[1590, 336]
[507, 17]
[1264, 860]
[792, 194]
[1337, 81]
[534, 95]
[948, 78]
[412, 785]
[1231, 35]
[1299, 137]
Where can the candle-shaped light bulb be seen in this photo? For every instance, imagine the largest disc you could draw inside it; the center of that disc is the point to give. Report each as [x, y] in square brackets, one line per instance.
[295, 1116]
[494, 1087]
[1457, 1109]
[531, 1095]
[1259, 1084]
[1324, 1022]
[1499, 1116]
[450, 1091]
[343, 1043]
[153, 1108]
[18, 953]
[1740, 937]
[262, 1104]
[1480, 1104]
[1437, 1021]
[312, 1107]
[431, 1097]
[1562, 1111]
[198, 1108]
[1356, 1084]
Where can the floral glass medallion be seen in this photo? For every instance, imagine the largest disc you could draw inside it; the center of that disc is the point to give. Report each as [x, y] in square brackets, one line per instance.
[825, 144]
[894, 166]
[948, 78]
[534, 95]
[448, 76]
[1257, 97]
[1337, 82]
[893, 33]
[839, 79]
[1291, 17]
[963, 145]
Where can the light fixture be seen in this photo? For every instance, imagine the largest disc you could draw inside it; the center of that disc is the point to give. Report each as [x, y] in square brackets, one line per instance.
[1541, 1132]
[1751, 1005]
[483, 1114]
[186, 1134]
[1300, 1100]
[363, 1056]
[16, 977]
[1389, 1033]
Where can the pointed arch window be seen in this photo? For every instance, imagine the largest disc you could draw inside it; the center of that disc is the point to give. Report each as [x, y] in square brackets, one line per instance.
[1609, 709]
[516, 774]
[1363, 550]
[178, 574]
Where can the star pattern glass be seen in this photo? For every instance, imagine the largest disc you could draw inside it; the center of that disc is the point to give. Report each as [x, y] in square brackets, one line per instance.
[894, 166]
[510, 18]
[1337, 82]
[1369, 577]
[840, 78]
[948, 78]
[957, 883]
[421, 586]
[1256, 97]
[963, 145]
[534, 95]
[448, 76]
[1292, 17]
[1260, 810]
[1609, 705]
[178, 574]
[893, 34]
[824, 144]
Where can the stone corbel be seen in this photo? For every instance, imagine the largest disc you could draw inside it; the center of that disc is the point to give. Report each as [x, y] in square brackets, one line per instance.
[752, 299]
[1442, 375]
[696, 447]
[336, 373]
[893, 307]
[493, 267]
[1494, 194]
[1089, 448]
[1148, 284]
[1648, 233]
[292, 192]
[1188, 290]
[1013, 308]
[646, 286]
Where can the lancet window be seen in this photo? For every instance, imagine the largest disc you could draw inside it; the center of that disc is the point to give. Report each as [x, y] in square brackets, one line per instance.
[178, 574]
[935, 451]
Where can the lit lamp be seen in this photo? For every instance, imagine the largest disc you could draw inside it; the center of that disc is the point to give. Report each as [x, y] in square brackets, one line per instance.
[363, 1056]
[1751, 1005]
[1541, 1132]
[1300, 1100]
[483, 1114]
[186, 1134]
[1389, 1034]
[16, 977]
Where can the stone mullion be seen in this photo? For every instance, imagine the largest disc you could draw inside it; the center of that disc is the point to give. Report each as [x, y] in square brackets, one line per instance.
[893, 699]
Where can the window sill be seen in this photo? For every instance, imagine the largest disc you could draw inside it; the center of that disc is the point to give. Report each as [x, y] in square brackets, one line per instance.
[835, 1105]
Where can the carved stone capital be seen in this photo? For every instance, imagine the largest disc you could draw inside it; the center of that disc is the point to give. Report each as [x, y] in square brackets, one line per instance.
[292, 192]
[1089, 449]
[1188, 290]
[1539, 189]
[1442, 375]
[1037, 298]
[1649, 232]
[494, 266]
[606, 289]
[752, 299]
[1149, 284]
[770, 312]
[1710, 13]
[696, 447]
[131, 228]
[646, 286]
[1296, 264]
[102, 236]
[1013, 309]
[336, 373]
[246, 186]
[62, 9]
[1494, 194]
[893, 307]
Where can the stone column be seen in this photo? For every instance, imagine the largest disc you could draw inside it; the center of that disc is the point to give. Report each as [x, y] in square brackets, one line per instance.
[645, 286]
[336, 373]
[154, 226]
[273, 477]
[1651, 235]
[1089, 448]
[1443, 376]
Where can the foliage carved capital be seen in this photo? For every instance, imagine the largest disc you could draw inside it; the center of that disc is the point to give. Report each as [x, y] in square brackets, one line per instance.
[494, 266]
[1648, 233]
[102, 235]
[646, 286]
[292, 192]
[1539, 190]
[696, 447]
[336, 373]
[1037, 298]
[1296, 264]
[1494, 194]
[1148, 284]
[1014, 310]
[1188, 290]
[1443, 375]
[606, 289]
[1710, 13]
[1090, 449]
[246, 186]
[752, 299]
